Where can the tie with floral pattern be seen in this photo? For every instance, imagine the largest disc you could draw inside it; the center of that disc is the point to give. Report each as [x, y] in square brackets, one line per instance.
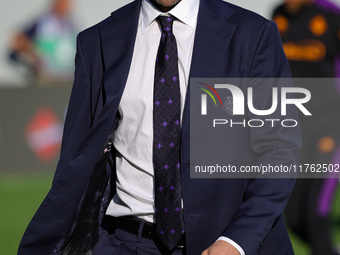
[166, 145]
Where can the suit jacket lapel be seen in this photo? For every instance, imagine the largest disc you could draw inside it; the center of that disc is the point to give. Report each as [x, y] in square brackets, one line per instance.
[117, 40]
[213, 35]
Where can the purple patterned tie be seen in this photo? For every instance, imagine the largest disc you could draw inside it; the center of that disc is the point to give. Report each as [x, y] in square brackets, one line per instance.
[166, 145]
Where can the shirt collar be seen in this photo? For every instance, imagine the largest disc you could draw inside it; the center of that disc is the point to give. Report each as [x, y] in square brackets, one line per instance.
[186, 11]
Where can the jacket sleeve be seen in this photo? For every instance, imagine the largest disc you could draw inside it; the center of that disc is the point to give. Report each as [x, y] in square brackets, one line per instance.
[43, 234]
[265, 199]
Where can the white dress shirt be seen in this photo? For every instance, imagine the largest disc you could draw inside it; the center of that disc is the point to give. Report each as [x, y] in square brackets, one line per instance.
[134, 136]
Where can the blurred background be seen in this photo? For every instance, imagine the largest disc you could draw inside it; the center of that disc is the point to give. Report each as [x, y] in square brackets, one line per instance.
[37, 50]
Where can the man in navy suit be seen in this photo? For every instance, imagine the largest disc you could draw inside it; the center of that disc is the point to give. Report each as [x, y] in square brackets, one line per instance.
[104, 180]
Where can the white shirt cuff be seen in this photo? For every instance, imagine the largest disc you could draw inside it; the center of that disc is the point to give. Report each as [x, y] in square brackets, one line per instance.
[228, 240]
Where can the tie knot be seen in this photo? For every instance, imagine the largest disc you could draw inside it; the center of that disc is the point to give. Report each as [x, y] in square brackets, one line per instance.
[166, 23]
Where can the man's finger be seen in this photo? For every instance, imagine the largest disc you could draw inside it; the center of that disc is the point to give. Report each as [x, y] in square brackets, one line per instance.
[205, 252]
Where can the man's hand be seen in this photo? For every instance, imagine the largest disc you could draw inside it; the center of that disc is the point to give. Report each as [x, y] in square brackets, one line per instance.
[221, 248]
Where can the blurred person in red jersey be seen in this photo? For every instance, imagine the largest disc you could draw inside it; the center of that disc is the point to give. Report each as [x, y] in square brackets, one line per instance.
[47, 46]
[311, 39]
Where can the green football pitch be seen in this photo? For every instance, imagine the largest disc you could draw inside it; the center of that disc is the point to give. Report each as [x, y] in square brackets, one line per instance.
[21, 194]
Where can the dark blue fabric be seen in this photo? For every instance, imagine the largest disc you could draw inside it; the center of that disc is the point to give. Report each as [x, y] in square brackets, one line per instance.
[167, 138]
[124, 243]
[229, 42]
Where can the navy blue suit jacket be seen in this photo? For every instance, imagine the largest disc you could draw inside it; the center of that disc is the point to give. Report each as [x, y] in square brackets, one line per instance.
[229, 42]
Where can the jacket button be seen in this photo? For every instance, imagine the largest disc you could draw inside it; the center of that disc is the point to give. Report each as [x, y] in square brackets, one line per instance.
[259, 248]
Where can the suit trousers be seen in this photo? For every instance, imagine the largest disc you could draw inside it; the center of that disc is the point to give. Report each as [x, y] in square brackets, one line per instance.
[124, 243]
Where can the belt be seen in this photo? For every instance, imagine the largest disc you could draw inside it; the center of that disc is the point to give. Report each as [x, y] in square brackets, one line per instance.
[132, 225]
